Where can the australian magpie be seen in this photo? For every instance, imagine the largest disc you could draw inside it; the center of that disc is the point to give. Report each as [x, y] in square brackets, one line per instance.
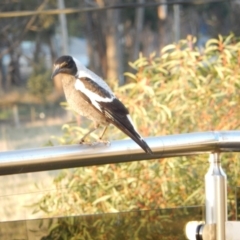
[90, 96]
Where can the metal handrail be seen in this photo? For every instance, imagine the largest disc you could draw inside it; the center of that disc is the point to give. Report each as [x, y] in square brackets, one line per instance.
[50, 158]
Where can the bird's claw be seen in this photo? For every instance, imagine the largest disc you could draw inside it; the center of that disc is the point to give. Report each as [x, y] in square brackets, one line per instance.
[82, 142]
[107, 143]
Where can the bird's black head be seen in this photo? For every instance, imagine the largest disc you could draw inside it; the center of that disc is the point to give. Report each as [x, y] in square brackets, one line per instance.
[64, 64]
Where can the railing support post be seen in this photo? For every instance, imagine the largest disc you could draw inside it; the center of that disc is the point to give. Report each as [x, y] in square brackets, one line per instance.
[216, 196]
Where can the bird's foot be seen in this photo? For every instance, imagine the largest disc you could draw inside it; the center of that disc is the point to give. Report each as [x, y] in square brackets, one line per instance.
[107, 143]
[82, 142]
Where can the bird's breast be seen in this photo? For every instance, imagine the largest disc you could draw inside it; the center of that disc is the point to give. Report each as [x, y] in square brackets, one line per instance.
[78, 103]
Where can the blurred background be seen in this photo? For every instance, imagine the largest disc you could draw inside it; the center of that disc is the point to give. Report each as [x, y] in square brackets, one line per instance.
[103, 35]
[173, 63]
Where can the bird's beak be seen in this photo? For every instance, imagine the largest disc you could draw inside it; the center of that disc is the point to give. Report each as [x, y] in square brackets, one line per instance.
[56, 70]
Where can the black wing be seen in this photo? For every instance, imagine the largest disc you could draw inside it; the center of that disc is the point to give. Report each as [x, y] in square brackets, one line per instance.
[117, 114]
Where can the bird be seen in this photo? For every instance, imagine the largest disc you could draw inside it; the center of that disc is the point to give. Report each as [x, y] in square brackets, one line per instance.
[90, 96]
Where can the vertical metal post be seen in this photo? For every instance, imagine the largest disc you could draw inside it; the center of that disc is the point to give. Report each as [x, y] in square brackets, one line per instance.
[216, 196]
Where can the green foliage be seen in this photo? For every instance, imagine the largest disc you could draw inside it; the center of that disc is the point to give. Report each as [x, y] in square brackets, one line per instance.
[189, 89]
[38, 83]
[165, 224]
[186, 89]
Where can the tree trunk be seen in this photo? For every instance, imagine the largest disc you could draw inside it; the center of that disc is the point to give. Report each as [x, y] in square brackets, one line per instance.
[1, 77]
[162, 16]
[114, 50]
[37, 48]
[138, 30]
[13, 74]
[63, 27]
[51, 48]
[96, 43]
[176, 22]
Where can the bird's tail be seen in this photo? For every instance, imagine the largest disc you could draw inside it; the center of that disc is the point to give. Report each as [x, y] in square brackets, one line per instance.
[117, 114]
[134, 135]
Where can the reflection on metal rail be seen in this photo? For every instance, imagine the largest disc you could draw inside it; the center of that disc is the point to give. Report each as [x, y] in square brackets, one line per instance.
[216, 224]
[50, 158]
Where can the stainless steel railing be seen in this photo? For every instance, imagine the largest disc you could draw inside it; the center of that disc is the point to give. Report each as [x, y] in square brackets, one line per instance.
[49, 158]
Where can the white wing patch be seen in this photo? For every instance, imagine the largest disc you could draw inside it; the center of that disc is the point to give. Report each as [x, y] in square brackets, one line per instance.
[94, 97]
[85, 72]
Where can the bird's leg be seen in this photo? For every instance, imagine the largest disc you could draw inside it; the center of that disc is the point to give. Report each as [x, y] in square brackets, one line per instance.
[89, 132]
[104, 130]
[101, 136]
